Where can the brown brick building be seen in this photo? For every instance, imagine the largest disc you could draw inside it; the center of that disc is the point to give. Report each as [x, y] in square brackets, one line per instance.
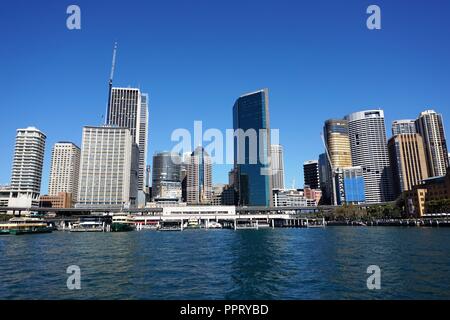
[432, 189]
[61, 201]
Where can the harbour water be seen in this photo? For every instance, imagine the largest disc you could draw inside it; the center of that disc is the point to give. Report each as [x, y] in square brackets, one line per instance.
[316, 263]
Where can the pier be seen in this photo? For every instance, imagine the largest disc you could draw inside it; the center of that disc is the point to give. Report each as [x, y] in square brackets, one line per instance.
[228, 216]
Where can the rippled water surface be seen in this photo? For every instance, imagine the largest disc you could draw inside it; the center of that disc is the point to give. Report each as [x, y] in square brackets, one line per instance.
[328, 263]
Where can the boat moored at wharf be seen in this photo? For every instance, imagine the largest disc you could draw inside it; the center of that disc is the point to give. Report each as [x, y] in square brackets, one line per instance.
[25, 225]
[122, 223]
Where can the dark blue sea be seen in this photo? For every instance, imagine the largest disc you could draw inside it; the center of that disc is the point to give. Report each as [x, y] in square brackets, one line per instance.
[316, 263]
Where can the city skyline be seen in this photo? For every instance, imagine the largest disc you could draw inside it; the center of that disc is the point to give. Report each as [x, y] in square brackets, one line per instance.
[301, 139]
[48, 162]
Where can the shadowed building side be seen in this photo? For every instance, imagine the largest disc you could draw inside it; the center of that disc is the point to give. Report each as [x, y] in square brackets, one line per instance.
[252, 155]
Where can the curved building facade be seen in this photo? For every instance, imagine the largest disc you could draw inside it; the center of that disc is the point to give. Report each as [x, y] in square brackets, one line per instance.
[367, 133]
[166, 179]
[338, 142]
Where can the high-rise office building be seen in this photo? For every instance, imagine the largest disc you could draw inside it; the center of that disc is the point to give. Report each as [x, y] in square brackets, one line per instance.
[166, 182]
[199, 177]
[27, 168]
[108, 167]
[431, 127]
[129, 109]
[251, 160]
[185, 158]
[148, 186]
[277, 163]
[311, 174]
[350, 186]
[338, 143]
[143, 141]
[325, 179]
[408, 161]
[65, 169]
[368, 144]
[403, 126]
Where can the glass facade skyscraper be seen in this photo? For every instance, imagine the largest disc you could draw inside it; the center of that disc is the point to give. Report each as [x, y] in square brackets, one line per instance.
[166, 182]
[252, 154]
[350, 186]
[311, 174]
[338, 142]
[199, 177]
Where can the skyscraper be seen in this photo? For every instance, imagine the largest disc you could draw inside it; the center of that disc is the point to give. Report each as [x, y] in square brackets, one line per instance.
[311, 174]
[143, 141]
[109, 162]
[338, 143]
[403, 126]
[27, 168]
[199, 177]
[350, 186]
[277, 163]
[166, 182]
[408, 161]
[65, 169]
[129, 109]
[325, 179]
[430, 126]
[251, 123]
[368, 145]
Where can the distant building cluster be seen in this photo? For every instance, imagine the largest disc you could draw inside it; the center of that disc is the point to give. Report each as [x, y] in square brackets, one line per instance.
[361, 166]
[107, 171]
[111, 170]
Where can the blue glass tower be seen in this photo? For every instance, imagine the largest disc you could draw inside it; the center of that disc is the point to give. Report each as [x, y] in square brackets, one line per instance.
[251, 116]
[353, 186]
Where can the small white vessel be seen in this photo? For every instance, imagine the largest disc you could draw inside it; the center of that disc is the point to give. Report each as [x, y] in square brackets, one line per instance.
[192, 224]
[87, 226]
[214, 225]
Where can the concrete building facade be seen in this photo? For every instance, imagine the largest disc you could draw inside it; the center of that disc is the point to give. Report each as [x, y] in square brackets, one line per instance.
[408, 161]
[430, 126]
[27, 168]
[368, 145]
[65, 169]
[108, 156]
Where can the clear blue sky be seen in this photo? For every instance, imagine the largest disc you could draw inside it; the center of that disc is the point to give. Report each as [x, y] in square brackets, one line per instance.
[195, 58]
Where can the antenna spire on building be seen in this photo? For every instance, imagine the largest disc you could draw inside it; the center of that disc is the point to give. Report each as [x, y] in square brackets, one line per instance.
[111, 77]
